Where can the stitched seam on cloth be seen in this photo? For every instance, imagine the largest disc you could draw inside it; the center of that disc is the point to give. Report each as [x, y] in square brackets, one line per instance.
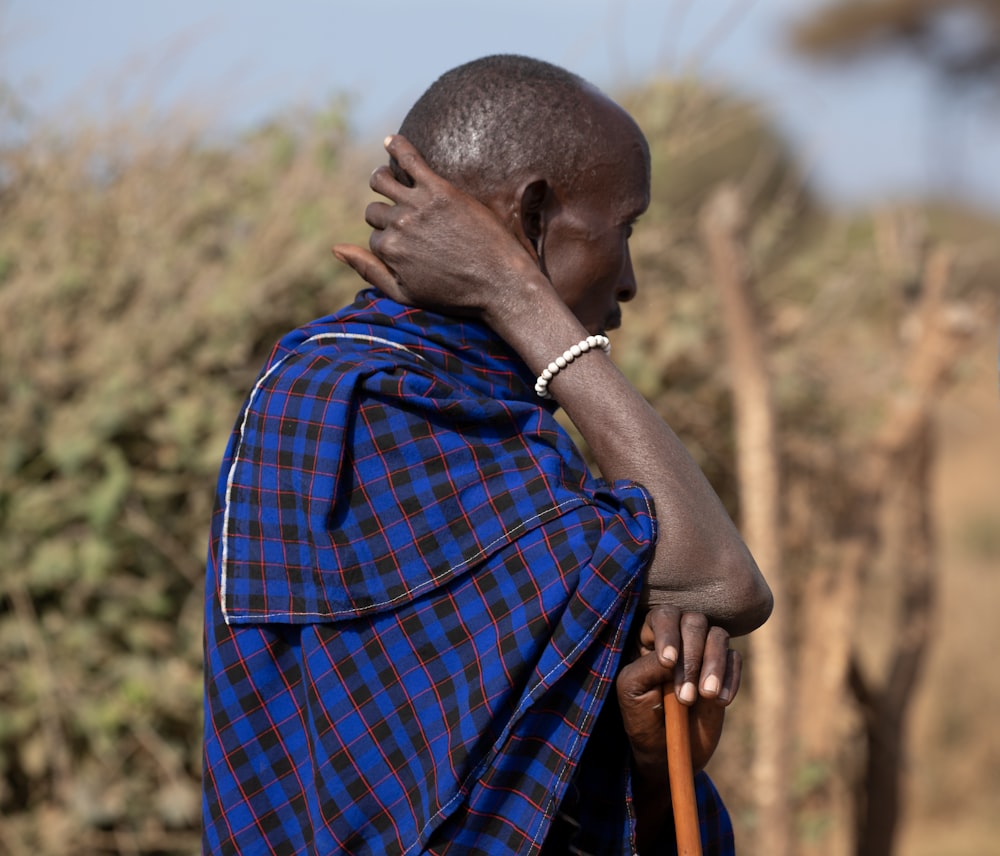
[259, 616]
[646, 500]
[618, 633]
[550, 808]
[243, 424]
[462, 791]
[629, 807]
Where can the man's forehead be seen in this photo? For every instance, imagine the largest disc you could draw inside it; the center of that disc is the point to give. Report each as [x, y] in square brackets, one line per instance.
[618, 137]
[619, 170]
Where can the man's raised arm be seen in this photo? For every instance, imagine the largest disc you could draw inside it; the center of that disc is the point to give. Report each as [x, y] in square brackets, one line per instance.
[437, 247]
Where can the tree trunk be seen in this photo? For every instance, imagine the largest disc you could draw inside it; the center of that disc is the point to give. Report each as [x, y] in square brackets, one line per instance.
[899, 487]
[723, 226]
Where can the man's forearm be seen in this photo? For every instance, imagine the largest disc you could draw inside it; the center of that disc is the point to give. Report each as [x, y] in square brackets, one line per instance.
[701, 563]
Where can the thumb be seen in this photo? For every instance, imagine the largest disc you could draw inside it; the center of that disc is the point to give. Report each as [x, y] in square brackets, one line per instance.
[371, 269]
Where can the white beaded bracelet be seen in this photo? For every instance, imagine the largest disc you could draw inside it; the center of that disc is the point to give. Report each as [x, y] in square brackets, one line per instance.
[567, 356]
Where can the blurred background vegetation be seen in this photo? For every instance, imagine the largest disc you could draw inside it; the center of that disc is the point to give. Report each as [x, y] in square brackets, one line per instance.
[145, 271]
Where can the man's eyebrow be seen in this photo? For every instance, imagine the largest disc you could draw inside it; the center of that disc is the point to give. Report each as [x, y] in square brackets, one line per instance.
[632, 215]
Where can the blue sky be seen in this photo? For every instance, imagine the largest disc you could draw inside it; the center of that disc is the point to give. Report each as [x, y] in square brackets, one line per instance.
[869, 133]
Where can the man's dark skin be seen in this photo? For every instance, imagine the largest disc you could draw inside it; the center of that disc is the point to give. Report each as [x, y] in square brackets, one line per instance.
[544, 265]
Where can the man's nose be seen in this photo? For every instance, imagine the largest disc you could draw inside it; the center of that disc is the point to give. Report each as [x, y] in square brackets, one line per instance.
[627, 286]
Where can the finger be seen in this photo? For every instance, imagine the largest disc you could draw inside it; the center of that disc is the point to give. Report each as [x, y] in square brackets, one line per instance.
[734, 675]
[409, 159]
[694, 627]
[639, 688]
[661, 633]
[384, 245]
[640, 683]
[378, 214]
[383, 182]
[714, 662]
[368, 267]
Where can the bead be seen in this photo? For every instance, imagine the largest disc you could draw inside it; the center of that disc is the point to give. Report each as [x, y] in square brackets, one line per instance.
[567, 357]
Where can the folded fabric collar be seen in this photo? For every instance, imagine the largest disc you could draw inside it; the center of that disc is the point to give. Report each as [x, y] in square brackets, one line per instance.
[383, 451]
[458, 346]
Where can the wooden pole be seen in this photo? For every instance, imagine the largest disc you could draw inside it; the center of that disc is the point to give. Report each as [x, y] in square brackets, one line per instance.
[685, 806]
[724, 231]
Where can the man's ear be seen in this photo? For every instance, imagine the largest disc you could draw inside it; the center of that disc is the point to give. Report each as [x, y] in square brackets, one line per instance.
[532, 203]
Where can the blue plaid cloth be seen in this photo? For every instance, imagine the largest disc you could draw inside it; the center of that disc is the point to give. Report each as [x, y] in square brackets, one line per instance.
[417, 601]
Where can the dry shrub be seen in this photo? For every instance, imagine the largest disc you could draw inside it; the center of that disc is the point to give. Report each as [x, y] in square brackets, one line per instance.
[143, 274]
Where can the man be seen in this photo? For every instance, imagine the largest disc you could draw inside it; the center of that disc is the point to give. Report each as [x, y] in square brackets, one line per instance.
[418, 598]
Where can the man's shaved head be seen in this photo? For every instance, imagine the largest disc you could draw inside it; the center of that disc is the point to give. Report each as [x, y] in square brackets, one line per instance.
[492, 121]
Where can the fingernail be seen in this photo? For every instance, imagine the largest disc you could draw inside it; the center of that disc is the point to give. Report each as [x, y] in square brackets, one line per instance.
[387, 140]
[724, 695]
[711, 685]
[670, 653]
[689, 692]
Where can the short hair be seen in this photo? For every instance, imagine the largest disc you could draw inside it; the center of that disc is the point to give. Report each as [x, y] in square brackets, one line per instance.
[488, 122]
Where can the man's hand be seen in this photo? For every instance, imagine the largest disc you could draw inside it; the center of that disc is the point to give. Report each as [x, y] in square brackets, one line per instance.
[683, 650]
[435, 246]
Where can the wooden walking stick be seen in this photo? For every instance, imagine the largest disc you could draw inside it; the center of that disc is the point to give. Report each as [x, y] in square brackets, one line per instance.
[686, 825]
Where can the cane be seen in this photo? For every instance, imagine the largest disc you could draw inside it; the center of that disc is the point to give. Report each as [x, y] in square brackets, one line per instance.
[686, 824]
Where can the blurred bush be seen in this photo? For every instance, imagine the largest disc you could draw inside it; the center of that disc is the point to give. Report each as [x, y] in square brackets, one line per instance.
[143, 275]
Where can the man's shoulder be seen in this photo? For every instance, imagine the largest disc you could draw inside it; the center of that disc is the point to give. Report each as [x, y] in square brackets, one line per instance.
[336, 345]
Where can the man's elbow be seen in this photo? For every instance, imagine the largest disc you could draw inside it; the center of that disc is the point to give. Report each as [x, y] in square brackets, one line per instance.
[756, 608]
[749, 601]
[732, 592]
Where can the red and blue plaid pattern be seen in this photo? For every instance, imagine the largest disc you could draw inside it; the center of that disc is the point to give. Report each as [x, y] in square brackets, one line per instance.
[417, 600]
